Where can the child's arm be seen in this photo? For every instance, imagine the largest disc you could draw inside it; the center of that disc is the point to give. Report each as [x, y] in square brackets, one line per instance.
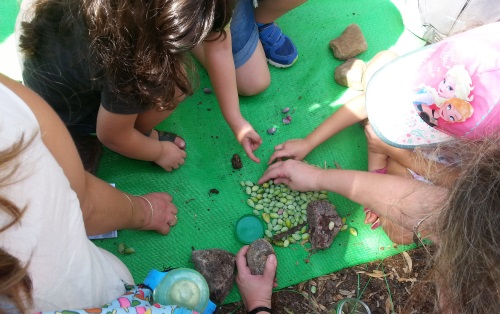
[434, 171]
[219, 64]
[404, 202]
[117, 132]
[353, 111]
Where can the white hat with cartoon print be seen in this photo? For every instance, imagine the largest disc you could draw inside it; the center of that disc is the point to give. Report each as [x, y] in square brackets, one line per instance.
[443, 91]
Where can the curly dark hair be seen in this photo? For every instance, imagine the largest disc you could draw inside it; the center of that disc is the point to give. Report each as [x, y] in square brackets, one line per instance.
[141, 44]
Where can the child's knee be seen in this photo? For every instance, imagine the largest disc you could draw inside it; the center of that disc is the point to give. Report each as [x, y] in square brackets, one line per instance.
[397, 234]
[254, 86]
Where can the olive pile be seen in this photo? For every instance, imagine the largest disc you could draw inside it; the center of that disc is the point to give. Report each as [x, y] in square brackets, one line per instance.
[282, 209]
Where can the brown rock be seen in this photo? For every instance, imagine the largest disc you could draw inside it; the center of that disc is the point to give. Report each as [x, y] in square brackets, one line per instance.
[236, 162]
[218, 267]
[257, 255]
[350, 73]
[319, 216]
[350, 44]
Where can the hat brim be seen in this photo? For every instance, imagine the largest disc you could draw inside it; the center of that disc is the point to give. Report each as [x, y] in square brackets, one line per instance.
[389, 104]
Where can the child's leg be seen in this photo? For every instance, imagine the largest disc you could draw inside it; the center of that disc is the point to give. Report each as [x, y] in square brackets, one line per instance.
[400, 233]
[395, 168]
[376, 161]
[253, 76]
[381, 163]
[252, 72]
[270, 10]
[379, 60]
[148, 120]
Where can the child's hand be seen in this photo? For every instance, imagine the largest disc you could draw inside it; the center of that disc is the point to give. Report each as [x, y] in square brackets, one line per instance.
[296, 174]
[250, 143]
[255, 290]
[295, 149]
[249, 139]
[172, 157]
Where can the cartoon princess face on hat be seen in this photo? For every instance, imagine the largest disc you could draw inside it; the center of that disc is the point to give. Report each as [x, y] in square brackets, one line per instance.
[457, 83]
[453, 110]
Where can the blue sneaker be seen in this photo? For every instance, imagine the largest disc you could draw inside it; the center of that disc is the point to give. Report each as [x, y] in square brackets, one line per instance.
[280, 50]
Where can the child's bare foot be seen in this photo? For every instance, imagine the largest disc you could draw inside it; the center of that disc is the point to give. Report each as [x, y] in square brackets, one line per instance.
[172, 157]
[168, 137]
[158, 212]
[371, 218]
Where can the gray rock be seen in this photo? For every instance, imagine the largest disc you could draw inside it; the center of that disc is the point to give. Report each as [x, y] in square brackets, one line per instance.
[319, 216]
[350, 74]
[349, 44]
[257, 255]
[218, 267]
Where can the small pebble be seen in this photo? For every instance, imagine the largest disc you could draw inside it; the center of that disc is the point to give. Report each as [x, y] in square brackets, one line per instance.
[207, 90]
[285, 121]
[285, 110]
[288, 117]
[271, 131]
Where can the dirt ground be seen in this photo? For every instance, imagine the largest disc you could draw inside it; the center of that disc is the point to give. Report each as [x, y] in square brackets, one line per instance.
[384, 285]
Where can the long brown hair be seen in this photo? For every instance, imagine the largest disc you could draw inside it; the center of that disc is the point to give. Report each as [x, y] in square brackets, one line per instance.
[464, 276]
[16, 284]
[466, 264]
[141, 44]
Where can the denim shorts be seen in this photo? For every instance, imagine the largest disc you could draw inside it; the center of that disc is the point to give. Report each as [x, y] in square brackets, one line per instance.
[244, 33]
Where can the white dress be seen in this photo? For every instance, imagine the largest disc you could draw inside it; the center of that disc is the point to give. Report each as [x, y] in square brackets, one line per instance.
[67, 269]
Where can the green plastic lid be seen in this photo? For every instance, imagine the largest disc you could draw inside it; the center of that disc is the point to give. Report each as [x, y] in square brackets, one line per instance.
[248, 229]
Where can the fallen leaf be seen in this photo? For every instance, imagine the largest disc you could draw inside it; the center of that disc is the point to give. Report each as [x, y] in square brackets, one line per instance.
[376, 275]
[389, 306]
[407, 279]
[344, 292]
[408, 261]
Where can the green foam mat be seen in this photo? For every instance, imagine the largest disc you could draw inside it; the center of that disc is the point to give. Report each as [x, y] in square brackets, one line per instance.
[207, 220]
[9, 10]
